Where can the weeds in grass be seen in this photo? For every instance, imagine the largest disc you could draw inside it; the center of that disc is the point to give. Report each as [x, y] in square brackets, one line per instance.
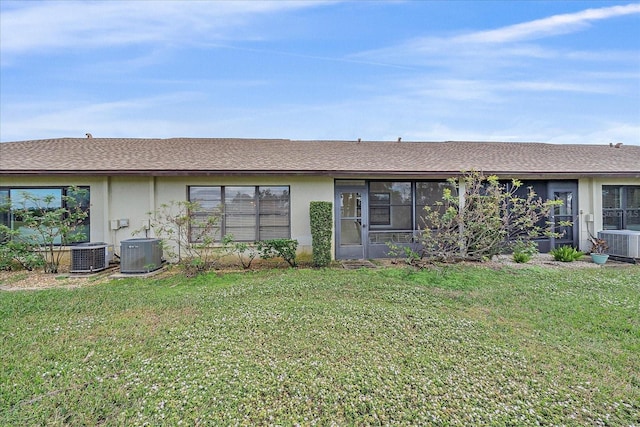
[455, 346]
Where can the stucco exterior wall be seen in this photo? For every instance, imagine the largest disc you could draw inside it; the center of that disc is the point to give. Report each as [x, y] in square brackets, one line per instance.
[130, 198]
[590, 209]
[119, 200]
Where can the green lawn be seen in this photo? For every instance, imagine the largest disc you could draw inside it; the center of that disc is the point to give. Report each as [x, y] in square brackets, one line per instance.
[452, 346]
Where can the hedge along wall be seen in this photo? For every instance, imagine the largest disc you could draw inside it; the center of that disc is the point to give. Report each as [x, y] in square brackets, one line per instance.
[321, 218]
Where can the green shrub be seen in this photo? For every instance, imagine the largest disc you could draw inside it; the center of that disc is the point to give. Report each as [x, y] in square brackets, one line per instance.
[521, 257]
[283, 248]
[524, 250]
[321, 217]
[566, 253]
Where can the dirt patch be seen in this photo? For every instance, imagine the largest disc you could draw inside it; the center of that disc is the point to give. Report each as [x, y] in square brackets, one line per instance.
[34, 280]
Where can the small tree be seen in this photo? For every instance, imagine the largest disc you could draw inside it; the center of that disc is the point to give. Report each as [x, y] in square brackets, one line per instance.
[187, 233]
[50, 224]
[491, 219]
[321, 217]
[245, 252]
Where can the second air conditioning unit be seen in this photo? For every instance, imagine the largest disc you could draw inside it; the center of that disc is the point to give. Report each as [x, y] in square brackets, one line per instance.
[140, 255]
[622, 243]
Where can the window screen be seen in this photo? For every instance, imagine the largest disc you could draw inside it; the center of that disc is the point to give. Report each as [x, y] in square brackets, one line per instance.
[249, 213]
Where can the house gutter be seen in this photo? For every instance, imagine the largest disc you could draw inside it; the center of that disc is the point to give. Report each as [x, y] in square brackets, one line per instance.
[332, 173]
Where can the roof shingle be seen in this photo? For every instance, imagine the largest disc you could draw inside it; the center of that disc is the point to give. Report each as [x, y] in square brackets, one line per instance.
[182, 156]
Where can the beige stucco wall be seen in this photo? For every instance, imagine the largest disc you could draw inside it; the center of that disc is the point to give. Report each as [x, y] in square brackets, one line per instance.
[131, 198]
[590, 205]
[129, 201]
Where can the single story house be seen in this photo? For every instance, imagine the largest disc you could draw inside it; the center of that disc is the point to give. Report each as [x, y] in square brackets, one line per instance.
[266, 185]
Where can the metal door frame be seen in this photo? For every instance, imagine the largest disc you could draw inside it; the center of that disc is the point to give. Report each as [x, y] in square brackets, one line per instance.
[352, 251]
[566, 186]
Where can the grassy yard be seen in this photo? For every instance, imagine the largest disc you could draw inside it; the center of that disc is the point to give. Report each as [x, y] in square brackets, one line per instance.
[453, 346]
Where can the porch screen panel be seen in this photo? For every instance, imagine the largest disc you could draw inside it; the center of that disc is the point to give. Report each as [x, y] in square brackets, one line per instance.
[564, 212]
[390, 211]
[274, 213]
[429, 194]
[209, 201]
[240, 212]
[390, 205]
[540, 188]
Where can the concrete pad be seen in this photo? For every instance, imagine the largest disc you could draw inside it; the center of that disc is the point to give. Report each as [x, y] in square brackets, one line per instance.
[119, 275]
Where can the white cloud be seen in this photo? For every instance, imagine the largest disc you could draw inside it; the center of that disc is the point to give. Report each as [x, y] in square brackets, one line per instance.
[29, 26]
[414, 118]
[496, 85]
[553, 25]
[505, 44]
[603, 133]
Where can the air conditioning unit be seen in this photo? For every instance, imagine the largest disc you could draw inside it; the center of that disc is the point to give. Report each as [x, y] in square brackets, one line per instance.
[622, 243]
[90, 257]
[140, 255]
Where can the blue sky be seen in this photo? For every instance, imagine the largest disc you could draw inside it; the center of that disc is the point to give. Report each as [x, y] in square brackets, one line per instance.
[560, 72]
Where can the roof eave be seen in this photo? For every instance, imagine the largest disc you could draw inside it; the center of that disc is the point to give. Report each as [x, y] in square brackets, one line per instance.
[332, 173]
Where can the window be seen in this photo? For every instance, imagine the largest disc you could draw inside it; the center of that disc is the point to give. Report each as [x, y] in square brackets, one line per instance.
[240, 213]
[12, 199]
[5, 212]
[209, 200]
[249, 213]
[274, 213]
[621, 207]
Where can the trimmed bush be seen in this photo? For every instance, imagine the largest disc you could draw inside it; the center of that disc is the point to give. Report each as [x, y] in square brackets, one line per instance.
[283, 248]
[321, 217]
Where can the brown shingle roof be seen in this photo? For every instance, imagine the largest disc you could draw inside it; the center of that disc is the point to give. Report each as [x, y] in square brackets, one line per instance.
[182, 156]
